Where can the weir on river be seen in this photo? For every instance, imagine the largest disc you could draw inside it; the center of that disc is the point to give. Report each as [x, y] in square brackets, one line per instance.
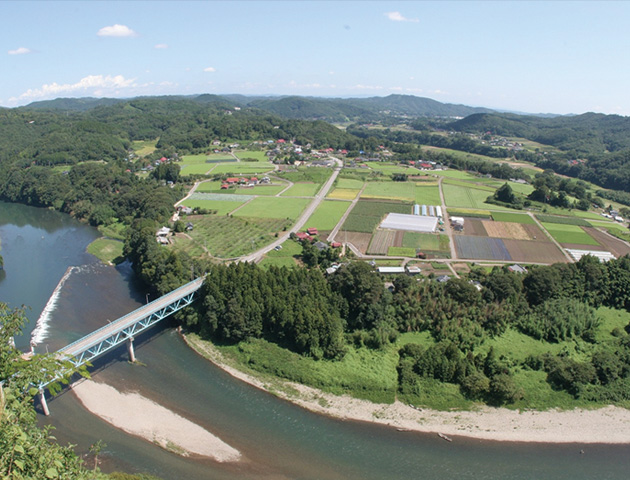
[100, 341]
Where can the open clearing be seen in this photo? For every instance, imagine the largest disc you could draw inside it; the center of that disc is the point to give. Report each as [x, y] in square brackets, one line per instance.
[404, 191]
[273, 207]
[302, 189]
[327, 215]
[228, 237]
[427, 195]
[569, 234]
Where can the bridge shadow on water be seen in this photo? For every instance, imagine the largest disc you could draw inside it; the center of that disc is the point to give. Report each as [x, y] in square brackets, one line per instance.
[114, 356]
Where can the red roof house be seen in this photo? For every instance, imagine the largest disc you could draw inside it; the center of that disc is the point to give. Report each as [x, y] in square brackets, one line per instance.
[311, 231]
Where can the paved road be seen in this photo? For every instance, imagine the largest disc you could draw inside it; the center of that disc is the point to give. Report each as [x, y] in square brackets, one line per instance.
[119, 325]
[301, 221]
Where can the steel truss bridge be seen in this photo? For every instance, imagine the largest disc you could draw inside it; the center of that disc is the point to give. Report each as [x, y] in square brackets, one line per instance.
[123, 330]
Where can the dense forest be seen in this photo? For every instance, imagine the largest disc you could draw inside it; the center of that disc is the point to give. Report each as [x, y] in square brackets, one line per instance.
[312, 315]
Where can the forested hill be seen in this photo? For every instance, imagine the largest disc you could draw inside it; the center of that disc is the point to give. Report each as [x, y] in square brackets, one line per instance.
[587, 134]
[296, 107]
[51, 136]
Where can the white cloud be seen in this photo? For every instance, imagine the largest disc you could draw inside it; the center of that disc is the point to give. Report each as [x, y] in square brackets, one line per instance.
[366, 87]
[20, 51]
[398, 17]
[210, 69]
[116, 31]
[161, 46]
[98, 85]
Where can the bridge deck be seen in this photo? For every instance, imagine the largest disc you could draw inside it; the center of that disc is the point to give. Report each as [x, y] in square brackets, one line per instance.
[128, 320]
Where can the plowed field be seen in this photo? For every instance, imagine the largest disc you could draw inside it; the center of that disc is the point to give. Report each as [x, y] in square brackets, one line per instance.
[611, 244]
[534, 251]
[514, 231]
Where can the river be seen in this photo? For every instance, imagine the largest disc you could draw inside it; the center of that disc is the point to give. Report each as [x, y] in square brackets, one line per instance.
[277, 439]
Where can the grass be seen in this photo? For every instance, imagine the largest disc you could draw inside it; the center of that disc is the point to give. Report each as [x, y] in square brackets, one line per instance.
[197, 169]
[343, 194]
[366, 215]
[274, 207]
[404, 191]
[390, 168]
[427, 195]
[569, 234]
[401, 252]
[470, 213]
[426, 241]
[242, 168]
[467, 197]
[228, 237]
[116, 230]
[144, 147]
[349, 183]
[302, 189]
[107, 250]
[563, 220]
[362, 373]
[284, 257]
[327, 215]
[513, 218]
[258, 155]
[221, 206]
[268, 190]
[477, 186]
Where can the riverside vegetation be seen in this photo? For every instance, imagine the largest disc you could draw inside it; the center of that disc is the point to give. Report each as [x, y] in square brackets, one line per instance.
[556, 336]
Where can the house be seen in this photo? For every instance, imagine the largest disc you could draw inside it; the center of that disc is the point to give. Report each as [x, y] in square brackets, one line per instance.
[303, 236]
[185, 210]
[335, 244]
[516, 268]
[281, 140]
[442, 278]
[189, 227]
[232, 180]
[224, 186]
[311, 231]
[321, 246]
[163, 232]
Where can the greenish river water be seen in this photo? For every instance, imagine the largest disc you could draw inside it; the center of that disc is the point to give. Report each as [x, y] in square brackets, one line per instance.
[277, 439]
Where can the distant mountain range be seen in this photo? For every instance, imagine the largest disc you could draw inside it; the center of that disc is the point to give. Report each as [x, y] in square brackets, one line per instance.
[303, 108]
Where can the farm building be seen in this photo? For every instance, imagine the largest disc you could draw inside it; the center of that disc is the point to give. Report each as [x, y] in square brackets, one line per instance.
[416, 209]
[413, 270]
[603, 256]
[438, 211]
[412, 223]
[391, 269]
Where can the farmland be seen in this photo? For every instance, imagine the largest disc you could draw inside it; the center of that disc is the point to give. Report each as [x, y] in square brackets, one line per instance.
[227, 237]
[403, 191]
[273, 207]
[327, 215]
[569, 234]
[366, 215]
[302, 189]
[427, 242]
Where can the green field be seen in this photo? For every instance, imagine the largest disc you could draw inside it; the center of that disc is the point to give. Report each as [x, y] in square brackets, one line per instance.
[144, 147]
[228, 237]
[476, 185]
[405, 191]
[427, 195]
[328, 214]
[196, 169]
[273, 207]
[284, 257]
[350, 183]
[366, 215]
[259, 155]
[107, 250]
[221, 206]
[390, 168]
[401, 252]
[569, 234]
[458, 174]
[426, 241]
[213, 187]
[563, 220]
[513, 218]
[468, 197]
[268, 190]
[303, 189]
[241, 168]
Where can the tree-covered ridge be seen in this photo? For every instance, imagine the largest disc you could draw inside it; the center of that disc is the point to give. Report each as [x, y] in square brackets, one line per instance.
[315, 316]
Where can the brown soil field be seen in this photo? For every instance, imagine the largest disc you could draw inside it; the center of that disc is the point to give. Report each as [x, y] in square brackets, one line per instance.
[461, 267]
[534, 231]
[534, 251]
[506, 230]
[617, 247]
[359, 240]
[583, 246]
[381, 241]
[398, 239]
[474, 226]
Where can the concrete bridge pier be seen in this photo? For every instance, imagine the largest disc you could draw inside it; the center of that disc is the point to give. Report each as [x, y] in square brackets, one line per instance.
[132, 354]
[42, 400]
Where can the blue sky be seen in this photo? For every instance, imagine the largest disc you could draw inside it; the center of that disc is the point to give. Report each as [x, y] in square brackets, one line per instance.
[560, 57]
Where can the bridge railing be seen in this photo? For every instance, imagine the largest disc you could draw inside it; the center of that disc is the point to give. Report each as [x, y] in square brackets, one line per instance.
[155, 304]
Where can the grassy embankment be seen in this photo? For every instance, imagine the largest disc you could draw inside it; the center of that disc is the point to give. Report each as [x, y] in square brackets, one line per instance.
[371, 374]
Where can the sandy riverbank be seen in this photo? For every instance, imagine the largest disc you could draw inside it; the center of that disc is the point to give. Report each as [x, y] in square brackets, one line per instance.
[604, 425]
[137, 415]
